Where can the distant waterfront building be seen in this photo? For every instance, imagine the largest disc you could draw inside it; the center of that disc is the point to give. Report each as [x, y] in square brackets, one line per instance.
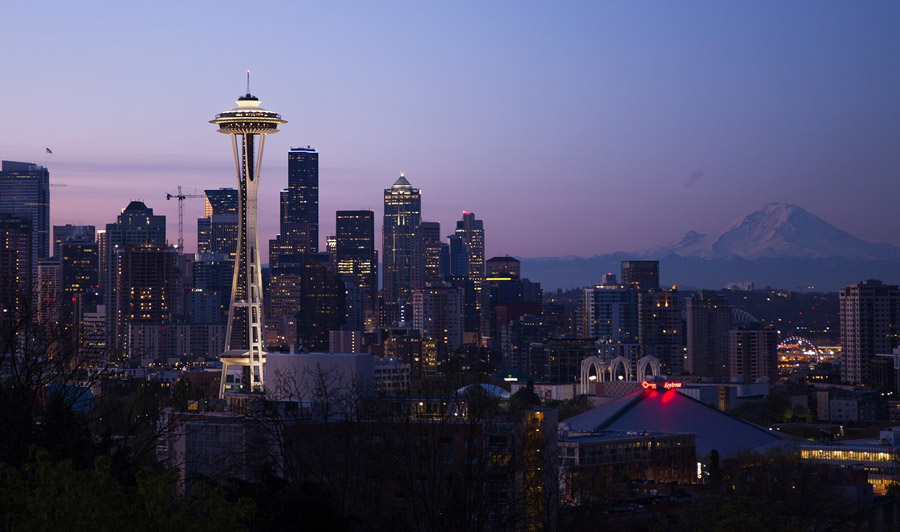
[753, 353]
[401, 241]
[641, 274]
[870, 325]
[708, 326]
[25, 193]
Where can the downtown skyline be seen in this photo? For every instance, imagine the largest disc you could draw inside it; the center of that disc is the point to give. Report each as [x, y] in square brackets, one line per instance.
[579, 131]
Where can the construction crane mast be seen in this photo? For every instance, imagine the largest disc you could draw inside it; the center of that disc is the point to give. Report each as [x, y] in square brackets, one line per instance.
[181, 197]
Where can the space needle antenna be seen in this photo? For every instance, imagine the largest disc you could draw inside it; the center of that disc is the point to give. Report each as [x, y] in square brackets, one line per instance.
[248, 81]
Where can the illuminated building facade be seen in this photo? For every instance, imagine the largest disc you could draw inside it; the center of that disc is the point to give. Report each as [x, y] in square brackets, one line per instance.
[870, 325]
[247, 125]
[355, 254]
[878, 458]
[25, 193]
[401, 241]
[590, 461]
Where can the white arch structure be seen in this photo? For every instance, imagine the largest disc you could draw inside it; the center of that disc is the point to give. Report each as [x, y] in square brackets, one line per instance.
[603, 371]
[645, 363]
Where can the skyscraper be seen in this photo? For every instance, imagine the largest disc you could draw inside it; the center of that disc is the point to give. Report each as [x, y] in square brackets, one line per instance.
[708, 323]
[247, 125]
[753, 353]
[431, 253]
[661, 328]
[870, 325]
[146, 292]
[401, 241]
[611, 313]
[71, 233]
[25, 193]
[355, 253]
[217, 230]
[135, 226]
[472, 231]
[16, 267]
[300, 202]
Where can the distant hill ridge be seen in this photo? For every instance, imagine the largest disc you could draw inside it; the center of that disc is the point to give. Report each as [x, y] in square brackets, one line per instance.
[779, 245]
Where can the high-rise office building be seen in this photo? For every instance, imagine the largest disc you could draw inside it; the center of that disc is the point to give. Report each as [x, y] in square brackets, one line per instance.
[354, 253]
[218, 229]
[300, 202]
[458, 256]
[610, 313]
[438, 314]
[306, 301]
[431, 253]
[135, 226]
[401, 241]
[503, 267]
[661, 329]
[49, 291]
[870, 326]
[753, 353]
[641, 274]
[248, 124]
[80, 272]
[16, 277]
[708, 326]
[71, 233]
[25, 193]
[146, 290]
[472, 232]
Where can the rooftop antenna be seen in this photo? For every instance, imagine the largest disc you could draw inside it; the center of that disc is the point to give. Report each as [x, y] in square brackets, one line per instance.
[248, 81]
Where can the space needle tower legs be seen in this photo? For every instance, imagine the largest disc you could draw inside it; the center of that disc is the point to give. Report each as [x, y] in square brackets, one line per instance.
[247, 124]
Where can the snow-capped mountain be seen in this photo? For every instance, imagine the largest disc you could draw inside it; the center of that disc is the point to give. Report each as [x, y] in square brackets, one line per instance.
[779, 230]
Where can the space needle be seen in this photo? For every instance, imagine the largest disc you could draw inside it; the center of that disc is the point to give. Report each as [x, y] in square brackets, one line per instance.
[247, 124]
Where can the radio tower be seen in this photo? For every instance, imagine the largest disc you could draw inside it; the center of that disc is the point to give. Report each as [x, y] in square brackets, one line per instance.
[247, 124]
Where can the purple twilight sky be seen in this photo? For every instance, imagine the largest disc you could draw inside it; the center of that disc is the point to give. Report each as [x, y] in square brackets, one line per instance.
[571, 128]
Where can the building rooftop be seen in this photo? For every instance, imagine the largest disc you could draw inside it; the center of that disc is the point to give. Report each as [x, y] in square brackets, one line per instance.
[672, 412]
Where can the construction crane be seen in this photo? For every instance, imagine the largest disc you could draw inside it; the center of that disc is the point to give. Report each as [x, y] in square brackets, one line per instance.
[181, 197]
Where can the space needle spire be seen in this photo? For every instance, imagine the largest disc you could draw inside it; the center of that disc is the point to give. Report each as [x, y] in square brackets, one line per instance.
[247, 125]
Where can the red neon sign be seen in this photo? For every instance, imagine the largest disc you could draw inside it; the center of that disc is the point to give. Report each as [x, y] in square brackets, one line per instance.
[666, 385]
